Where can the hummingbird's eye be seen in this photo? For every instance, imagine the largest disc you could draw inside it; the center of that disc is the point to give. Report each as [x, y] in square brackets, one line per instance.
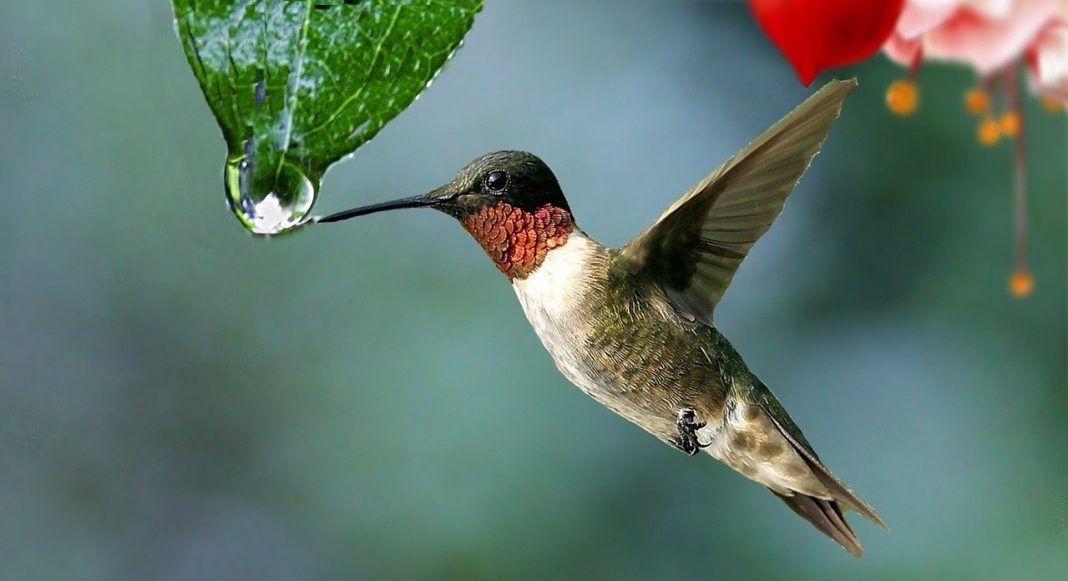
[496, 181]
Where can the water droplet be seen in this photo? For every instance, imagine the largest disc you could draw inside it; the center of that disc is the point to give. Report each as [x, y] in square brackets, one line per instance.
[271, 200]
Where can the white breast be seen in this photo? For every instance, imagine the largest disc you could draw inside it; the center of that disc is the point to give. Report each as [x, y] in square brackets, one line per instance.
[549, 297]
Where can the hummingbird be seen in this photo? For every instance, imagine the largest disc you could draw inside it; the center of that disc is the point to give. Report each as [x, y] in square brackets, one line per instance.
[633, 326]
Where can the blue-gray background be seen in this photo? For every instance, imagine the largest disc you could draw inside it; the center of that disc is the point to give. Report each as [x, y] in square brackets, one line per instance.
[179, 400]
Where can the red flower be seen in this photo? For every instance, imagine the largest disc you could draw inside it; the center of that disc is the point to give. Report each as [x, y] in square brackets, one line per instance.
[820, 34]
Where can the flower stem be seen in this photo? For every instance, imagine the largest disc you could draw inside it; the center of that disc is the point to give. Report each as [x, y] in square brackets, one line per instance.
[1021, 281]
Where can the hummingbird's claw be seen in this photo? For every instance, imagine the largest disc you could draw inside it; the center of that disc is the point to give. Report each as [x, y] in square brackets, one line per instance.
[688, 425]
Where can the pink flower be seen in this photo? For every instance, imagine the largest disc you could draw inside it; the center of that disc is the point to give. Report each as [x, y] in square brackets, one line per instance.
[1048, 59]
[992, 37]
[985, 34]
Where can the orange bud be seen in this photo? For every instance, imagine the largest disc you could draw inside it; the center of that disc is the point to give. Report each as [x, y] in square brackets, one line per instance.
[1021, 283]
[902, 98]
[989, 131]
[977, 100]
[1010, 124]
[1051, 105]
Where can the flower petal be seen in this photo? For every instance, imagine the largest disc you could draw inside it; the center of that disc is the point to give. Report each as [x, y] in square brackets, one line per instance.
[989, 44]
[917, 19]
[820, 34]
[1050, 63]
[903, 51]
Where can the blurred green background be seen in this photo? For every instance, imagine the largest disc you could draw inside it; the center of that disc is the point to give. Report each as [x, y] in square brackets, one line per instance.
[179, 400]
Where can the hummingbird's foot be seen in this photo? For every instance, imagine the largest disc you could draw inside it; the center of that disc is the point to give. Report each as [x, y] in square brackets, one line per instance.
[688, 425]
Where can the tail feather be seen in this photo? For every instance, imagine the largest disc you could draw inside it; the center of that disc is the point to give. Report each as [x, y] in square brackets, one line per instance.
[842, 493]
[826, 516]
[824, 511]
[758, 439]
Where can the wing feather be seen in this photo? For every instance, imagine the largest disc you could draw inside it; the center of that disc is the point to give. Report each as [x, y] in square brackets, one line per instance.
[695, 247]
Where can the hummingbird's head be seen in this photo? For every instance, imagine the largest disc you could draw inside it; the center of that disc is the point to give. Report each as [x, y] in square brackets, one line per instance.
[509, 201]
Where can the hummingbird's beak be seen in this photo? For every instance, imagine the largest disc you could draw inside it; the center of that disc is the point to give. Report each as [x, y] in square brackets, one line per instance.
[421, 201]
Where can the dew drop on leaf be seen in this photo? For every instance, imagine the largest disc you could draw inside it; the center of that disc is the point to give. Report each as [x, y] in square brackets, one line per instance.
[269, 201]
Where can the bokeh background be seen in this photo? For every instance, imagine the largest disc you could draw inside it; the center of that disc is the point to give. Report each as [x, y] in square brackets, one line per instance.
[179, 400]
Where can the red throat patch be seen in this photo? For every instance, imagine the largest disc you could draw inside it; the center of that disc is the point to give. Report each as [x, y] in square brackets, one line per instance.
[517, 240]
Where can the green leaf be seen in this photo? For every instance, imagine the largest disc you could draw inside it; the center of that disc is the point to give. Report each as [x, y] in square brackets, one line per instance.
[297, 84]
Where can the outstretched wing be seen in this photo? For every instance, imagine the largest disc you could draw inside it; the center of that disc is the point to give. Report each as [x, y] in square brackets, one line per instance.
[693, 250]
